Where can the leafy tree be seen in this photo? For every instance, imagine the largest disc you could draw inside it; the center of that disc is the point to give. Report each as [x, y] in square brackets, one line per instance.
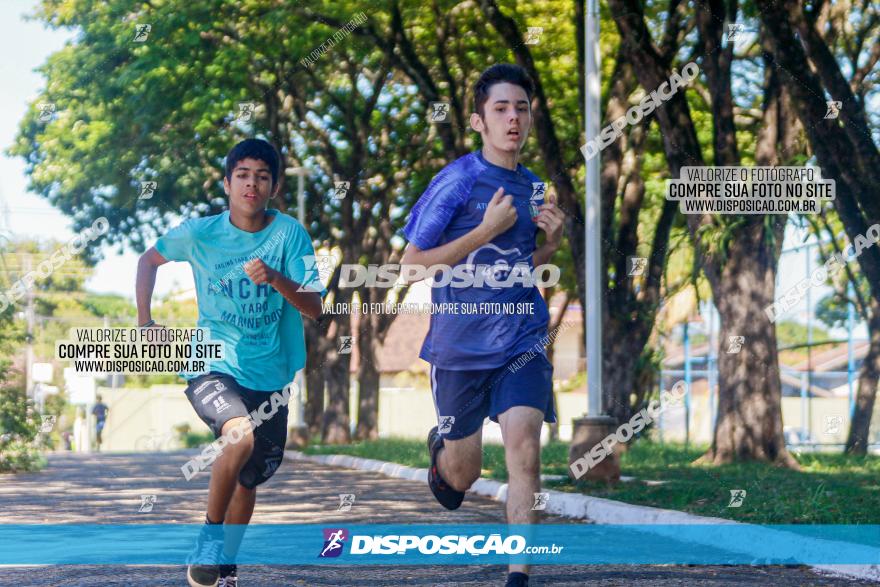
[18, 423]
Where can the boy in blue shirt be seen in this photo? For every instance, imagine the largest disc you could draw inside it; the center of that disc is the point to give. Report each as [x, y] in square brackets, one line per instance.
[255, 277]
[484, 210]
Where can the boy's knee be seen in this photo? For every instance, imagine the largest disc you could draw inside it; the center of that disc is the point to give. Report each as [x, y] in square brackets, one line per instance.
[529, 468]
[240, 445]
[524, 458]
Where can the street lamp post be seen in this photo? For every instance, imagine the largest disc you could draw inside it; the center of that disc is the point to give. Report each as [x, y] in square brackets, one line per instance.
[588, 431]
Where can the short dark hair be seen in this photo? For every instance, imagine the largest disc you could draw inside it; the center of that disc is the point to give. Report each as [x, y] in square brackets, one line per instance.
[254, 149]
[498, 74]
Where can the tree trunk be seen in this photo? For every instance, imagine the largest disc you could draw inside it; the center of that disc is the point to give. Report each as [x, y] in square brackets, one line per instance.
[749, 422]
[869, 375]
[314, 377]
[368, 381]
[620, 355]
[745, 387]
[629, 305]
[336, 425]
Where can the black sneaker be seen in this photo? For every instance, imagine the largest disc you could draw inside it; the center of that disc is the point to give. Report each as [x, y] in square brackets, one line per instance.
[446, 495]
[517, 580]
[229, 576]
[203, 563]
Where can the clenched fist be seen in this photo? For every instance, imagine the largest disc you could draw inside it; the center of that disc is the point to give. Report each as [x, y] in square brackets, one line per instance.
[259, 272]
[500, 213]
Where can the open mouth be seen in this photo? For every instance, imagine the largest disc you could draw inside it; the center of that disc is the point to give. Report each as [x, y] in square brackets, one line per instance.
[513, 133]
[250, 196]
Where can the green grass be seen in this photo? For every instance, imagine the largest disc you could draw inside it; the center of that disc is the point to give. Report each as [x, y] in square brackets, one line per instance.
[830, 488]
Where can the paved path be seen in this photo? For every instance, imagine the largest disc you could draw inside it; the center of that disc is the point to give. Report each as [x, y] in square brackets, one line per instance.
[106, 488]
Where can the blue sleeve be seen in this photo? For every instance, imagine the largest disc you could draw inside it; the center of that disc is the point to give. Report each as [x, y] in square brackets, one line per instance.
[177, 243]
[434, 210]
[302, 264]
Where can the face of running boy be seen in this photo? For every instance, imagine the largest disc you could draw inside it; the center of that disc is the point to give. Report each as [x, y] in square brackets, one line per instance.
[250, 187]
[506, 120]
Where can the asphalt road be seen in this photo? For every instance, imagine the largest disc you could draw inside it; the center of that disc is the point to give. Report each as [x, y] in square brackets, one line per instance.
[106, 488]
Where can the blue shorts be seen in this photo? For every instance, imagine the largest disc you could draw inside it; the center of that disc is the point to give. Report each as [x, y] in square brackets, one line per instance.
[463, 399]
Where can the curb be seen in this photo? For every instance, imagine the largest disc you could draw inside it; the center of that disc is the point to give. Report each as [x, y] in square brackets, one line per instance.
[578, 506]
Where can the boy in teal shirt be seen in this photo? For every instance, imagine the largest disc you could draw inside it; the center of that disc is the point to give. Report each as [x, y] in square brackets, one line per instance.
[255, 277]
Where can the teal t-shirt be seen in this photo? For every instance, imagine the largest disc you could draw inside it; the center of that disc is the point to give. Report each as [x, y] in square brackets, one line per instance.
[262, 332]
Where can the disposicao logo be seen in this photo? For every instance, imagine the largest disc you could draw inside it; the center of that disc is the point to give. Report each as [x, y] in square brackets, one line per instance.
[334, 540]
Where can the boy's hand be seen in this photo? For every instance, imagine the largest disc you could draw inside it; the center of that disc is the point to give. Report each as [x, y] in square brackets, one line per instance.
[500, 213]
[259, 272]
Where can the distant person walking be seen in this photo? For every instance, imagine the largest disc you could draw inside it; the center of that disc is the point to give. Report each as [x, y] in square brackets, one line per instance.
[100, 411]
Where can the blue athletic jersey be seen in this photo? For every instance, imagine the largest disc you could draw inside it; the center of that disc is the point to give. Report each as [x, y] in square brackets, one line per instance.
[453, 205]
[262, 332]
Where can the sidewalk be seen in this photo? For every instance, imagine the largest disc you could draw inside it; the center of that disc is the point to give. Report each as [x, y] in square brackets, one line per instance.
[106, 488]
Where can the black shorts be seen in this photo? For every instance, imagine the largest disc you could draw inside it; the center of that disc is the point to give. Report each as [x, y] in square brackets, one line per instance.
[217, 398]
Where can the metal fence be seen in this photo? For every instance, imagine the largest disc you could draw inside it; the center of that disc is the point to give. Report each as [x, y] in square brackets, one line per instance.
[809, 422]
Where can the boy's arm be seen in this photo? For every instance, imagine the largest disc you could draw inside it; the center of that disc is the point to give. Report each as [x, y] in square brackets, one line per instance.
[500, 215]
[543, 254]
[307, 302]
[148, 265]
